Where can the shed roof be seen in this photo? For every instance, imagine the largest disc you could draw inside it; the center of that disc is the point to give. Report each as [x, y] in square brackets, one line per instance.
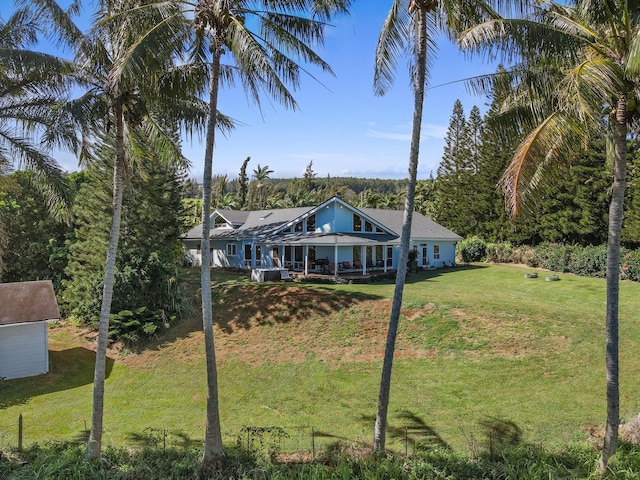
[25, 302]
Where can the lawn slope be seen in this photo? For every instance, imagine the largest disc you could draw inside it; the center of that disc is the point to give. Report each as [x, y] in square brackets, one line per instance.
[480, 349]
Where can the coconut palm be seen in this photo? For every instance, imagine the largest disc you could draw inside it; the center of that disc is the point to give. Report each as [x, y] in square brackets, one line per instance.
[411, 29]
[265, 42]
[31, 83]
[578, 77]
[123, 104]
[260, 176]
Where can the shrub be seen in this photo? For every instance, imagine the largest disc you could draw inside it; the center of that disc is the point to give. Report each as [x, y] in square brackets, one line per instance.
[472, 249]
[589, 261]
[630, 265]
[131, 327]
[555, 257]
[526, 256]
[499, 252]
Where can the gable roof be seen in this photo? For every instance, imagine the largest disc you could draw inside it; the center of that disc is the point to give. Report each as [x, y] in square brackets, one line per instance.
[27, 302]
[261, 223]
[421, 226]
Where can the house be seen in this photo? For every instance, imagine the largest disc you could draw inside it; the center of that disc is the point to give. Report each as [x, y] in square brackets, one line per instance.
[331, 238]
[25, 310]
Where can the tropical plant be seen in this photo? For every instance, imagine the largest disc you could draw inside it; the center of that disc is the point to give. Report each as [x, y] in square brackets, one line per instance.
[260, 175]
[577, 78]
[123, 103]
[410, 28]
[266, 42]
[31, 83]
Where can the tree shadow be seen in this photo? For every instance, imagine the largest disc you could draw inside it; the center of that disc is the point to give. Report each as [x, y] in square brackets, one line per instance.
[412, 431]
[498, 434]
[70, 368]
[162, 438]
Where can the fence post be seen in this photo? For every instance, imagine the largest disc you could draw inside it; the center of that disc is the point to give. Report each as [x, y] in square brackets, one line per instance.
[20, 432]
[313, 444]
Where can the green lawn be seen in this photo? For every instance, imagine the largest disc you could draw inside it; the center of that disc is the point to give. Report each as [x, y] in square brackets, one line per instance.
[480, 348]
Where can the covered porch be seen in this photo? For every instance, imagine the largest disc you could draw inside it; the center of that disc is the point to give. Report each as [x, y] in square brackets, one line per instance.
[326, 254]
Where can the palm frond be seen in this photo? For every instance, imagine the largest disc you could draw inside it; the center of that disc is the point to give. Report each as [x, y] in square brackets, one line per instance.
[554, 142]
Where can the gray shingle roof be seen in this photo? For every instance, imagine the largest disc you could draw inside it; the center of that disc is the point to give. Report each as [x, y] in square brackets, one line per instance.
[263, 223]
[421, 226]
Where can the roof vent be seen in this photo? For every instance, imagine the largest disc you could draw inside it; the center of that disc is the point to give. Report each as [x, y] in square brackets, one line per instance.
[268, 214]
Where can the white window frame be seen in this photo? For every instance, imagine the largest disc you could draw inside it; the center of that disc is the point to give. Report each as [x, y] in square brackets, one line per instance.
[436, 251]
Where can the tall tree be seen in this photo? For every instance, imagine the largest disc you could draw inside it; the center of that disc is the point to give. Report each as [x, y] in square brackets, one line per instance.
[453, 194]
[124, 104]
[243, 183]
[260, 175]
[266, 42]
[410, 28]
[31, 83]
[578, 61]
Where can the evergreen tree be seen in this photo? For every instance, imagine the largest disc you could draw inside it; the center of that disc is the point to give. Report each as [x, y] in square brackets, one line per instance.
[146, 263]
[454, 195]
[243, 184]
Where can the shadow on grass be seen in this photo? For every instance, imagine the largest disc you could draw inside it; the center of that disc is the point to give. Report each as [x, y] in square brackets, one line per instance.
[68, 369]
[240, 304]
[412, 431]
[499, 434]
[161, 438]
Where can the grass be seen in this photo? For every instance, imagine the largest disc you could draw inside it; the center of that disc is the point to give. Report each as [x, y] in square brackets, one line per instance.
[482, 352]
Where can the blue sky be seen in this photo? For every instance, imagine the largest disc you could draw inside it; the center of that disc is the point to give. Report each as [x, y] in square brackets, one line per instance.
[341, 125]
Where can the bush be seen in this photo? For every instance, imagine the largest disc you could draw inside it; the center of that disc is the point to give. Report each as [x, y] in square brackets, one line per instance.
[589, 261]
[472, 249]
[131, 327]
[630, 265]
[499, 252]
[555, 257]
[525, 255]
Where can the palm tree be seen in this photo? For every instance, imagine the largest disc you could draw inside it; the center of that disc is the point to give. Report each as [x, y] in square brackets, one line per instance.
[31, 83]
[410, 28]
[123, 104]
[260, 175]
[579, 78]
[266, 42]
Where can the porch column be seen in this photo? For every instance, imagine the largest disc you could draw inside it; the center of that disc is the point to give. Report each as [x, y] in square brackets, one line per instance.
[384, 248]
[282, 247]
[335, 259]
[306, 260]
[253, 255]
[363, 259]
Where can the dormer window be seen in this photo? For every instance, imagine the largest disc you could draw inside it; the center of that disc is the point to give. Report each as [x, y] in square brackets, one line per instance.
[220, 223]
[368, 227]
[357, 223]
[297, 227]
[311, 223]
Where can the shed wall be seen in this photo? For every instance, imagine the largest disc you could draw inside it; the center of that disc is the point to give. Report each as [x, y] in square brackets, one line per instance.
[24, 350]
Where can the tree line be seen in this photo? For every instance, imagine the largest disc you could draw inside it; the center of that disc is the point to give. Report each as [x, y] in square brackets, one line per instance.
[146, 71]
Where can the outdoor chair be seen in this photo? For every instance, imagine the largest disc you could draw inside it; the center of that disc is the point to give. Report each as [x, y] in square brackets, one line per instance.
[346, 266]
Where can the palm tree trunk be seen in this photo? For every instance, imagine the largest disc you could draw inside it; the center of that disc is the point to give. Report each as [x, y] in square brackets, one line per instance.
[95, 438]
[616, 211]
[213, 448]
[379, 436]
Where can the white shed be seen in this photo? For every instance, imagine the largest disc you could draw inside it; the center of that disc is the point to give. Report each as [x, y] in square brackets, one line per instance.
[25, 310]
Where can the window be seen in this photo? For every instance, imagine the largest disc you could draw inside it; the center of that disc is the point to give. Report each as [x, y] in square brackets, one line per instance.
[219, 222]
[311, 223]
[297, 227]
[357, 223]
[231, 250]
[436, 252]
[368, 227]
